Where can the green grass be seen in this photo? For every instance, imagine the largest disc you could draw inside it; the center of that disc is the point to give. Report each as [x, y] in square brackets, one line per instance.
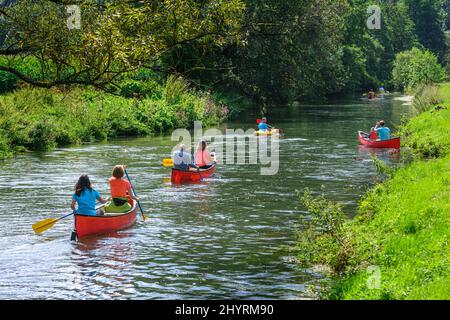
[407, 236]
[402, 229]
[428, 133]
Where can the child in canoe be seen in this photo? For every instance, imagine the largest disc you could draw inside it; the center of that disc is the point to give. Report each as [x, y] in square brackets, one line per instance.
[263, 126]
[120, 192]
[85, 196]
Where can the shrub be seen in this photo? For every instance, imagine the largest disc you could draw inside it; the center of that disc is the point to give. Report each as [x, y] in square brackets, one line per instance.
[5, 150]
[425, 98]
[175, 87]
[323, 241]
[416, 67]
[8, 82]
[139, 89]
[41, 136]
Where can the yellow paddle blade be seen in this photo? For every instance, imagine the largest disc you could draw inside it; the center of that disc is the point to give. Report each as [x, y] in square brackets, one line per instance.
[167, 162]
[167, 179]
[43, 225]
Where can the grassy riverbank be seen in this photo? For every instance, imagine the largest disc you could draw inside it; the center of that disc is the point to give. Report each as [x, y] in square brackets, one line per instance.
[42, 119]
[398, 245]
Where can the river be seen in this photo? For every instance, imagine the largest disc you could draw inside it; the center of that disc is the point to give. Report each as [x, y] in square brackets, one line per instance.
[229, 237]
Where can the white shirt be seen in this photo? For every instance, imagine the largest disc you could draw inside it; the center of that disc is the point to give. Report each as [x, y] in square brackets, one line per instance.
[184, 159]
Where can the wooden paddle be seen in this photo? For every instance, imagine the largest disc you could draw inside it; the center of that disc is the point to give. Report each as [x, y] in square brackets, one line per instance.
[46, 224]
[134, 193]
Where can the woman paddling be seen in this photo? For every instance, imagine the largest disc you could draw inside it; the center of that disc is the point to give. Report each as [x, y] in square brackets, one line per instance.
[85, 196]
[203, 158]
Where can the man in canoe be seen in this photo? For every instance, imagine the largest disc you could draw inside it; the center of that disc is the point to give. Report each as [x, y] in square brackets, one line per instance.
[263, 126]
[182, 160]
[384, 133]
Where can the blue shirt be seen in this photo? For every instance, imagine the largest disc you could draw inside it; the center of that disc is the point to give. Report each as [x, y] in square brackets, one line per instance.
[263, 126]
[86, 202]
[384, 133]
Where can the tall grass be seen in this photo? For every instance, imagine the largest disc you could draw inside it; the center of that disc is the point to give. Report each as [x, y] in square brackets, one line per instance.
[428, 133]
[425, 98]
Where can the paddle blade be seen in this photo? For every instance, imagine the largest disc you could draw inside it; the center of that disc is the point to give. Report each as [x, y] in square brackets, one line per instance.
[43, 225]
[167, 179]
[167, 162]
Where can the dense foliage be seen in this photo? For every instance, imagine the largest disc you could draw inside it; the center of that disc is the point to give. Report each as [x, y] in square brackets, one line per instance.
[112, 38]
[41, 119]
[303, 50]
[415, 67]
[272, 51]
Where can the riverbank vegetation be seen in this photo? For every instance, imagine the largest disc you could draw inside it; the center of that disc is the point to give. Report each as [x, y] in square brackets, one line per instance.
[41, 119]
[397, 245]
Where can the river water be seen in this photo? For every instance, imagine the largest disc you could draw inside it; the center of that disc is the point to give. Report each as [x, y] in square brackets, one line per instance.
[229, 237]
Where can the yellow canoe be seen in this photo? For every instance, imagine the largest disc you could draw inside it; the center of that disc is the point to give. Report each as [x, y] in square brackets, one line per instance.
[267, 133]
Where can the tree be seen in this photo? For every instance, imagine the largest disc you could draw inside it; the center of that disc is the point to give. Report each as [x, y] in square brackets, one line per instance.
[429, 19]
[416, 67]
[115, 37]
[369, 54]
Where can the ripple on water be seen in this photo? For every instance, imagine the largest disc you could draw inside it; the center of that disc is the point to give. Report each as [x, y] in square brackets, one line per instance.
[229, 237]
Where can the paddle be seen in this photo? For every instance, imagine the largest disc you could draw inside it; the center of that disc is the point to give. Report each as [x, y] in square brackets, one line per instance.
[134, 192]
[46, 224]
[167, 162]
[198, 168]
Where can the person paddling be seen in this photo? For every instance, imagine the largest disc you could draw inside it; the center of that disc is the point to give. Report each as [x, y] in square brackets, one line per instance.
[85, 196]
[203, 158]
[120, 192]
[182, 160]
[384, 133]
[371, 95]
[263, 126]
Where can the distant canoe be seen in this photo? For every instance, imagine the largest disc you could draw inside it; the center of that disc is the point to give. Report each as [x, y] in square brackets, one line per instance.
[87, 225]
[268, 133]
[389, 144]
[181, 176]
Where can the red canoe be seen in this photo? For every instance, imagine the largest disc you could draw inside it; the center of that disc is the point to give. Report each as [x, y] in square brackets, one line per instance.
[86, 225]
[181, 176]
[391, 143]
